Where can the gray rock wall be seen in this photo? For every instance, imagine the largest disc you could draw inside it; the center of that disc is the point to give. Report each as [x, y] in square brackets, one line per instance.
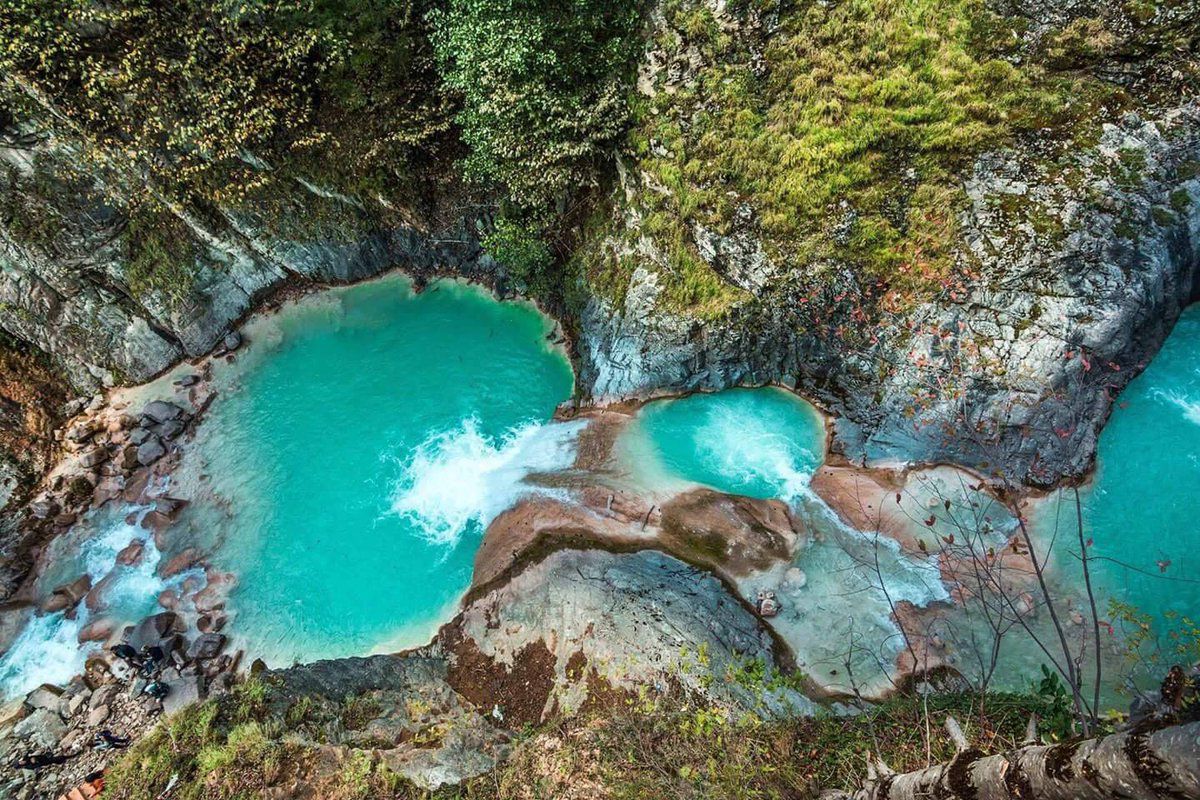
[70, 293]
[1074, 292]
[1080, 267]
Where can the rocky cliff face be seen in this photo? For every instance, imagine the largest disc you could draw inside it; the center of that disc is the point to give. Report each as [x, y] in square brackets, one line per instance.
[1077, 257]
[1078, 283]
[71, 284]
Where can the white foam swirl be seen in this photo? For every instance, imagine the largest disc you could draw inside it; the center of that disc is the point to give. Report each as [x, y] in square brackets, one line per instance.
[462, 478]
[1189, 406]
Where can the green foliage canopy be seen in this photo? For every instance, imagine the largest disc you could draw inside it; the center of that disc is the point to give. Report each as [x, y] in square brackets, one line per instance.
[543, 87]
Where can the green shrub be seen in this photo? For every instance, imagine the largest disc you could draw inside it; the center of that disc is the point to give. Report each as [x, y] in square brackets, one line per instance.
[543, 86]
[161, 256]
[518, 248]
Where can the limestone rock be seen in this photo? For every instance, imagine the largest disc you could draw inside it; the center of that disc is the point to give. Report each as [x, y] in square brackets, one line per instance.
[43, 729]
[206, 645]
[162, 411]
[46, 696]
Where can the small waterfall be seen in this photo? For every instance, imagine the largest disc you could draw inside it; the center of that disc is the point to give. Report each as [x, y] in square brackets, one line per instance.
[463, 478]
[48, 649]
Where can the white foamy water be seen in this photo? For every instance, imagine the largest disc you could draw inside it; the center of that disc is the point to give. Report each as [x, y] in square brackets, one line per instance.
[1187, 405]
[752, 453]
[837, 595]
[463, 477]
[48, 649]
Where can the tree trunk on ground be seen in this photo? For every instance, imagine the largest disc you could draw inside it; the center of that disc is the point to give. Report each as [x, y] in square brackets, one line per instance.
[1132, 765]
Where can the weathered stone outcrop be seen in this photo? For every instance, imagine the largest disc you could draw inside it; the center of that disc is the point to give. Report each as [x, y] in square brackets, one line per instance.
[579, 628]
[641, 618]
[1019, 373]
[78, 284]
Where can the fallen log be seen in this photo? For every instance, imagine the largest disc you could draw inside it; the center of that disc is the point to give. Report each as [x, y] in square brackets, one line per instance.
[1139, 764]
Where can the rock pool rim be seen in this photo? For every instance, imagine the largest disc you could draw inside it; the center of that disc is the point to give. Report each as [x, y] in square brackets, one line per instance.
[120, 399]
[559, 339]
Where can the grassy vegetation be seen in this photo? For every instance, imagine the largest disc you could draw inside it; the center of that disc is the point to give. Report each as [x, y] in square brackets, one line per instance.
[837, 133]
[160, 256]
[844, 132]
[635, 749]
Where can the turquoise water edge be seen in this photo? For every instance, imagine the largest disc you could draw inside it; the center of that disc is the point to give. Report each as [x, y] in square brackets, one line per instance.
[361, 459]
[365, 437]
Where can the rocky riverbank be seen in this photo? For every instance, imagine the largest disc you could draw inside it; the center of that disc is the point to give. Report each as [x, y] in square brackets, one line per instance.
[1016, 369]
[1068, 253]
[575, 603]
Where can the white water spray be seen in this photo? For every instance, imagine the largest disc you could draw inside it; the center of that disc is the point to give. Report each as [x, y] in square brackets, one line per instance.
[463, 477]
[48, 649]
[1187, 405]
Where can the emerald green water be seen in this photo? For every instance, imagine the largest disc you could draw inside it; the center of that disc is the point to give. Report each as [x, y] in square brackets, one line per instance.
[358, 450]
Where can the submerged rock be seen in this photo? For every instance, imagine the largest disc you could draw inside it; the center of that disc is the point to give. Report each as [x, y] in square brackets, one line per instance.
[68, 595]
[98, 630]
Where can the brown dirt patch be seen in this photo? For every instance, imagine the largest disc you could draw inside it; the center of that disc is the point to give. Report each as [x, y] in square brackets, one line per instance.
[520, 692]
[30, 395]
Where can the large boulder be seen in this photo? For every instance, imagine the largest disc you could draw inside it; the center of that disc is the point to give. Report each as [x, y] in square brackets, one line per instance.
[206, 645]
[150, 451]
[729, 533]
[42, 729]
[158, 630]
[68, 595]
[162, 411]
[46, 696]
[185, 691]
[94, 457]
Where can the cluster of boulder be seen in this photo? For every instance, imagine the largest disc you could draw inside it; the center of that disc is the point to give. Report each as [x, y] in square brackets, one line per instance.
[104, 451]
[55, 737]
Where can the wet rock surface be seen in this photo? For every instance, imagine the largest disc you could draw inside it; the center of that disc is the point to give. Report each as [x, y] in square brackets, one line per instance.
[109, 453]
[729, 534]
[53, 737]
